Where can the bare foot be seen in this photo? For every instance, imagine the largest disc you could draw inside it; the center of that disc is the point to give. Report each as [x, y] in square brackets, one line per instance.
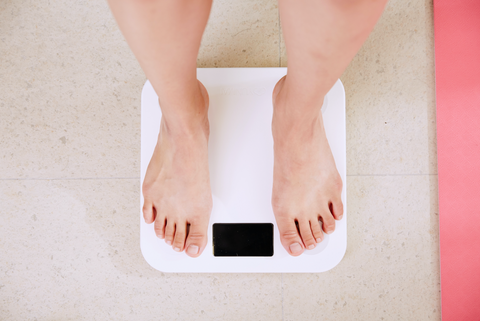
[306, 184]
[176, 188]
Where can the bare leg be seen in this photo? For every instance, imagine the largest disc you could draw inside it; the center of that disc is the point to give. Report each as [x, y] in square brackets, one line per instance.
[322, 37]
[165, 37]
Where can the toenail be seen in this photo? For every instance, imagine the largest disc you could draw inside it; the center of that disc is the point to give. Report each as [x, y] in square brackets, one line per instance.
[169, 242]
[340, 217]
[192, 249]
[329, 231]
[296, 248]
[177, 249]
[318, 240]
[311, 247]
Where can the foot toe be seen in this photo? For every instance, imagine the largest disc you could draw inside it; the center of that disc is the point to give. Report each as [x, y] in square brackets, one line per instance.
[160, 226]
[169, 231]
[148, 212]
[306, 233]
[336, 208]
[316, 227]
[180, 234]
[291, 240]
[196, 238]
[328, 221]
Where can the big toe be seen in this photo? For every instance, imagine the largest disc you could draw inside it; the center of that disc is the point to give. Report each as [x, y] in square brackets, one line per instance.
[291, 240]
[197, 237]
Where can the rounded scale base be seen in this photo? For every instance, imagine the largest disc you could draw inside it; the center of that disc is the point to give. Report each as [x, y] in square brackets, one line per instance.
[241, 171]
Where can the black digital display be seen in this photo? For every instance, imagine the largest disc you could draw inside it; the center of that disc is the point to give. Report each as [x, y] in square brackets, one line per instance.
[243, 239]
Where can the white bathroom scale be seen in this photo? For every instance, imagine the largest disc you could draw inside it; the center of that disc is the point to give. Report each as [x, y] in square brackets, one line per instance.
[241, 175]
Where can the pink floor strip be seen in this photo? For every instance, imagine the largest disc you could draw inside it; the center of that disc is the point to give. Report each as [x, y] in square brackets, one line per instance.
[457, 59]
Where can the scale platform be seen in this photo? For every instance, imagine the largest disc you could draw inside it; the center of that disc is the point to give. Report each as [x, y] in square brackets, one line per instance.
[241, 175]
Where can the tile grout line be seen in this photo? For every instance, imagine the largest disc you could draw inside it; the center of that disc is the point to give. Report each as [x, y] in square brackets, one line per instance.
[386, 175]
[66, 179]
[113, 178]
[279, 40]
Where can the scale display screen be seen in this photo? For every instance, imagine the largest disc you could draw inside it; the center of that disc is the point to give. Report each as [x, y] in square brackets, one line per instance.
[243, 239]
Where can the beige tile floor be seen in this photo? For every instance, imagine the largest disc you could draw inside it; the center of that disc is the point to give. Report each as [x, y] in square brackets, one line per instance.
[69, 173]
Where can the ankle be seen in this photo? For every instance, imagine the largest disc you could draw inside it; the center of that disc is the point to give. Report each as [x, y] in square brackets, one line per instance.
[186, 115]
[187, 127]
[294, 120]
[294, 132]
[297, 101]
[290, 127]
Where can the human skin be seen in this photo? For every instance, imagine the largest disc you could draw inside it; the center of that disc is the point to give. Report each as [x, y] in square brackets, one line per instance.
[321, 37]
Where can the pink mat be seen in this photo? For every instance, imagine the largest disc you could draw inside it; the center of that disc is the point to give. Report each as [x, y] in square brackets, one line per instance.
[457, 59]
